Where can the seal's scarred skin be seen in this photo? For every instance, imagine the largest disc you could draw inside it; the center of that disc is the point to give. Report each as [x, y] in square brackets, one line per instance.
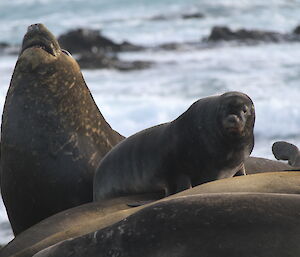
[208, 225]
[209, 141]
[53, 136]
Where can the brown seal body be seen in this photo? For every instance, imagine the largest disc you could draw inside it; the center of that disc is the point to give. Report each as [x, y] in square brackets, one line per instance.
[52, 136]
[255, 165]
[208, 142]
[208, 225]
[94, 216]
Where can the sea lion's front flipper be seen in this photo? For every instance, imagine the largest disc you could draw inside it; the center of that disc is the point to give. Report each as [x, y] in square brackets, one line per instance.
[286, 151]
[179, 183]
[241, 171]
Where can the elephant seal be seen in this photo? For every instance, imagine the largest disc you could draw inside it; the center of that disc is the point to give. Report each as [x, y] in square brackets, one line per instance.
[208, 225]
[288, 152]
[209, 141]
[94, 216]
[52, 136]
[255, 165]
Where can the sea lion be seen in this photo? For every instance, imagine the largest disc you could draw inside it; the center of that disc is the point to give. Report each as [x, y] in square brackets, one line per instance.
[52, 136]
[94, 216]
[208, 225]
[288, 152]
[209, 141]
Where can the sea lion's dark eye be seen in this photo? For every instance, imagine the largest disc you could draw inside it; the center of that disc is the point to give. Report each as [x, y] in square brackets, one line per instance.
[245, 109]
[66, 52]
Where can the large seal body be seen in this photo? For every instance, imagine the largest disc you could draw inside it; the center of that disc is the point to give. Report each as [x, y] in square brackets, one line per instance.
[90, 217]
[53, 135]
[209, 225]
[255, 165]
[209, 141]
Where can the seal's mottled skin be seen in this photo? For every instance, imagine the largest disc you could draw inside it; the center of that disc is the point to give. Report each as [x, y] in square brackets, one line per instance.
[209, 141]
[53, 135]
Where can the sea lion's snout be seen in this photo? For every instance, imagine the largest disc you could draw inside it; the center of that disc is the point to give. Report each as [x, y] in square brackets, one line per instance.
[234, 124]
[39, 37]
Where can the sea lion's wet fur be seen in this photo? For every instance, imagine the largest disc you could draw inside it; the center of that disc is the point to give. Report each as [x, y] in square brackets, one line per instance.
[199, 146]
[53, 135]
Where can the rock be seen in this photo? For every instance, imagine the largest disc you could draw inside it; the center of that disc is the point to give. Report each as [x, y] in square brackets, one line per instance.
[193, 16]
[226, 34]
[6, 48]
[162, 17]
[297, 30]
[104, 61]
[4, 45]
[171, 46]
[89, 40]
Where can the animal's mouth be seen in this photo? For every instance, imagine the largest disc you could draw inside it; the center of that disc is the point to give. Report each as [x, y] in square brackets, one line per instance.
[39, 37]
[47, 47]
[235, 129]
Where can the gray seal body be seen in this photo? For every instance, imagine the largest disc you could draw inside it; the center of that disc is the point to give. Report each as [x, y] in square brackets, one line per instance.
[207, 142]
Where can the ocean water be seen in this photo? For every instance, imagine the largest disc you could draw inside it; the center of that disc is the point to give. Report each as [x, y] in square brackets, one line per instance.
[131, 101]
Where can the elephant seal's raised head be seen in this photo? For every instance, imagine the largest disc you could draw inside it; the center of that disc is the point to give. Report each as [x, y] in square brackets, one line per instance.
[42, 56]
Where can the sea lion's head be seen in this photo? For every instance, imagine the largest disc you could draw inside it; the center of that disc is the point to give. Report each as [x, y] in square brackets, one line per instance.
[237, 115]
[41, 55]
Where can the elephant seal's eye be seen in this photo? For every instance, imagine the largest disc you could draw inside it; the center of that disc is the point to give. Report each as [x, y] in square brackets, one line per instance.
[66, 52]
[245, 109]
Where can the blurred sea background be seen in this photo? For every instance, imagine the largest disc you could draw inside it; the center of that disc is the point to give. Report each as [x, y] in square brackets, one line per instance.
[130, 101]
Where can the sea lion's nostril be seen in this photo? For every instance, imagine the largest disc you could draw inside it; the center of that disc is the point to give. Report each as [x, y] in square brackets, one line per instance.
[34, 27]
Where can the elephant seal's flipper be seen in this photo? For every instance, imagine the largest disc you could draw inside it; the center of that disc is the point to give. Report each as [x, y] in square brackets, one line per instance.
[286, 151]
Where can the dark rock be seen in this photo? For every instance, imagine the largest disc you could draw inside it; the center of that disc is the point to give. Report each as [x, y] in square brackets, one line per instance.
[127, 46]
[4, 45]
[182, 16]
[226, 34]
[193, 16]
[297, 30]
[89, 40]
[6, 48]
[171, 46]
[103, 61]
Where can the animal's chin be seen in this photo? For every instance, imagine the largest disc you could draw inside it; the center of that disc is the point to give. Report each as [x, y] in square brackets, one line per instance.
[47, 48]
